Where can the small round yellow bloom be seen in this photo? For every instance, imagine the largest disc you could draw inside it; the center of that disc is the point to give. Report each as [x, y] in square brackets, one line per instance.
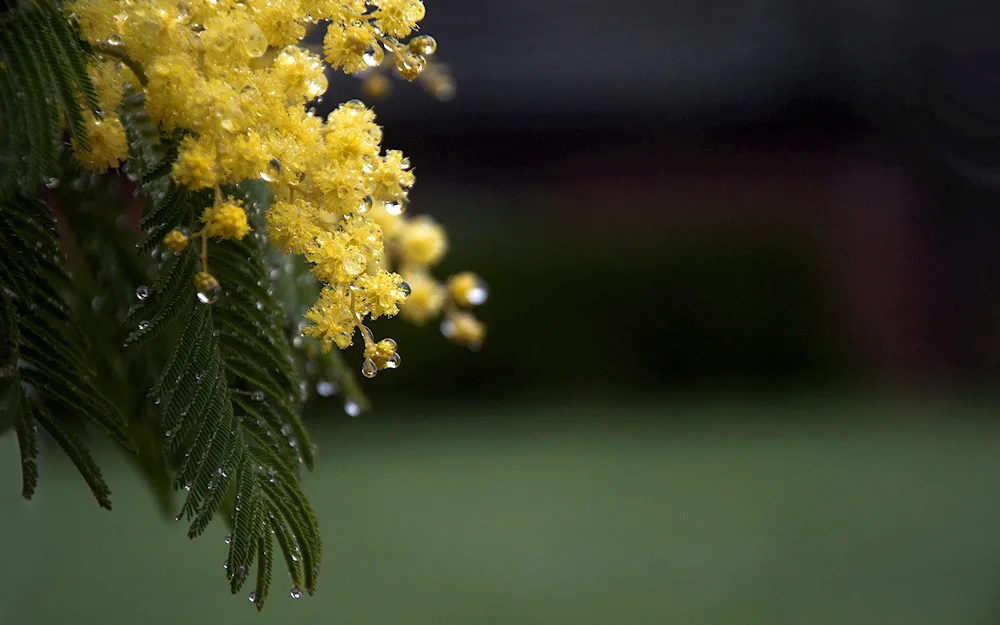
[195, 167]
[351, 46]
[380, 294]
[467, 289]
[425, 298]
[228, 221]
[422, 241]
[207, 287]
[383, 354]
[176, 240]
[108, 144]
[464, 329]
[398, 17]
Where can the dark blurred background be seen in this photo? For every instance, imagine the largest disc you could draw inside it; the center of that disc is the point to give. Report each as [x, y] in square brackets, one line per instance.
[674, 194]
[742, 351]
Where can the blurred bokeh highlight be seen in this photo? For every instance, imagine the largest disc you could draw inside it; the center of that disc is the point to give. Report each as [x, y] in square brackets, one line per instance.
[744, 341]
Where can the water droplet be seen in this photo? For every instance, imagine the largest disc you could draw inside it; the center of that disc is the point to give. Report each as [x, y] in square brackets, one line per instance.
[241, 571]
[477, 294]
[208, 291]
[424, 44]
[225, 564]
[254, 41]
[143, 325]
[252, 597]
[257, 396]
[228, 539]
[366, 204]
[393, 362]
[297, 341]
[115, 40]
[352, 408]
[368, 369]
[286, 429]
[373, 55]
[404, 287]
[325, 388]
[397, 206]
[96, 303]
[295, 593]
[410, 65]
[52, 183]
[355, 262]
[448, 328]
[142, 292]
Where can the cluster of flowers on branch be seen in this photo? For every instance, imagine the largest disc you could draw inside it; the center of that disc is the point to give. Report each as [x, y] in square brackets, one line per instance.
[230, 79]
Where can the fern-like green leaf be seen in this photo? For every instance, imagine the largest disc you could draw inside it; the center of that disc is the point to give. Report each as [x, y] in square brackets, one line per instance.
[44, 368]
[44, 70]
[229, 392]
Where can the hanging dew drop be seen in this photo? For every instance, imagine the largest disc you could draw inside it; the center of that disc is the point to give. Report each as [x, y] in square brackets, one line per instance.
[142, 292]
[286, 429]
[397, 206]
[424, 44]
[257, 396]
[352, 408]
[477, 294]
[143, 325]
[115, 40]
[225, 565]
[373, 55]
[393, 362]
[404, 288]
[52, 183]
[294, 593]
[252, 597]
[366, 204]
[368, 369]
[227, 539]
[208, 288]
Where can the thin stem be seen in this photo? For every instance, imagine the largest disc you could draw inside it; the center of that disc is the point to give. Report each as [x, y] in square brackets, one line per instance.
[119, 53]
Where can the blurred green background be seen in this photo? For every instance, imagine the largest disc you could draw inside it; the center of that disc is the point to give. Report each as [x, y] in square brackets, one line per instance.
[743, 343]
[735, 511]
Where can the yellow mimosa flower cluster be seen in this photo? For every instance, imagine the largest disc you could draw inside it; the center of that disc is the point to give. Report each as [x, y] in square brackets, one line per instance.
[230, 79]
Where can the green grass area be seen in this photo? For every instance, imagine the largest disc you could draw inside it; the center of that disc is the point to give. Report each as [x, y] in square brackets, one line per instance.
[672, 512]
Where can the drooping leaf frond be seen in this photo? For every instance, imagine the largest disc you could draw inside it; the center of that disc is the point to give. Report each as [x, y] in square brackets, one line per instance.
[43, 81]
[228, 393]
[45, 371]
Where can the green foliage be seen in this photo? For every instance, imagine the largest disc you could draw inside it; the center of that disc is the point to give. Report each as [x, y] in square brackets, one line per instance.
[44, 70]
[229, 392]
[221, 421]
[45, 374]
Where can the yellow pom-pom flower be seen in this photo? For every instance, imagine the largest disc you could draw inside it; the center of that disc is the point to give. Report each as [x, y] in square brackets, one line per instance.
[467, 289]
[226, 221]
[421, 241]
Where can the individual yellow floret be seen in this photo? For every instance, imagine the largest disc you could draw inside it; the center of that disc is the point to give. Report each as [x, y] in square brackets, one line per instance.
[226, 221]
[392, 176]
[383, 355]
[352, 46]
[464, 329]
[333, 322]
[380, 294]
[467, 289]
[421, 241]
[108, 144]
[177, 240]
[291, 227]
[425, 298]
[195, 167]
[398, 17]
